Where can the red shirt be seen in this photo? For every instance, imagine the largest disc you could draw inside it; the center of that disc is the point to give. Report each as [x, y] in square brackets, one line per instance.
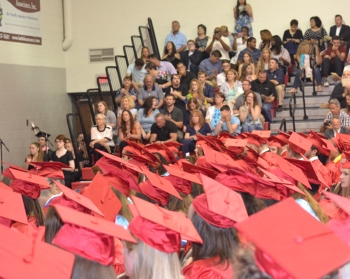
[341, 49]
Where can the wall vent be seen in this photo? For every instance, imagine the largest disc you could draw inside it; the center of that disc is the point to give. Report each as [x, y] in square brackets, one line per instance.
[101, 55]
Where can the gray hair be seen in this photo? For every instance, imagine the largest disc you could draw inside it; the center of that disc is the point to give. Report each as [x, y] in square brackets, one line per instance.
[146, 76]
[100, 115]
[334, 102]
[159, 115]
[335, 117]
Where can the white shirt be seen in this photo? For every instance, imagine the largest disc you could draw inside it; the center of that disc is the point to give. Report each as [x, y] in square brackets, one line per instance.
[218, 46]
[264, 151]
[106, 133]
[337, 32]
[221, 78]
[313, 159]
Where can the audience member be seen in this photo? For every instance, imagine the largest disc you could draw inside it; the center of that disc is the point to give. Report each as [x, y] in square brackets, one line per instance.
[280, 53]
[163, 130]
[251, 48]
[170, 54]
[78, 160]
[265, 36]
[263, 63]
[267, 90]
[185, 76]
[249, 114]
[64, 156]
[292, 38]
[342, 89]
[227, 34]
[162, 78]
[212, 65]
[196, 126]
[35, 155]
[144, 54]
[129, 130]
[111, 118]
[334, 59]
[164, 66]
[150, 89]
[341, 30]
[192, 105]
[213, 115]
[202, 38]
[43, 141]
[347, 109]
[146, 116]
[335, 128]
[196, 91]
[127, 89]
[239, 43]
[191, 57]
[221, 78]
[137, 72]
[219, 43]
[243, 14]
[227, 122]
[316, 33]
[335, 110]
[247, 73]
[176, 37]
[178, 91]
[101, 136]
[276, 76]
[208, 90]
[232, 88]
[246, 59]
[82, 148]
[246, 86]
[174, 115]
[127, 103]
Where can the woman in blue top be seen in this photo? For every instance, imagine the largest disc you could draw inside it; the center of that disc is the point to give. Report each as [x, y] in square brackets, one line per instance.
[197, 126]
[243, 14]
[249, 114]
[145, 116]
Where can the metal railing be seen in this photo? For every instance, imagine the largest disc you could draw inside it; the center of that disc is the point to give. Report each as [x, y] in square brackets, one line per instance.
[283, 125]
[292, 107]
[303, 83]
[153, 38]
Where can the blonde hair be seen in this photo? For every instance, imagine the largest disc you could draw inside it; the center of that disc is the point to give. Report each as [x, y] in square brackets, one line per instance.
[130, 100]
[150, 263]
[200, 89]
[261, 62]
[303, 48]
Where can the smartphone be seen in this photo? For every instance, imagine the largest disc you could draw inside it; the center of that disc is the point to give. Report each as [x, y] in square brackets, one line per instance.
[240, 34]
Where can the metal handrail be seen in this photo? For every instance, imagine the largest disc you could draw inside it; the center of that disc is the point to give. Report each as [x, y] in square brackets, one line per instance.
[70, 129]
[153, 38]
[292, 108]
[284, 125]
[303, 83]
[111, 85]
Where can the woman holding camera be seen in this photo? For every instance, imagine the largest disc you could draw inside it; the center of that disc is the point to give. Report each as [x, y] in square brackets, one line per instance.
[243, 14]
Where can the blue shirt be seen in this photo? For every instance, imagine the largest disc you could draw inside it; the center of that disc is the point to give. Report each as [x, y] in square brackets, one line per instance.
[256, 53]
[208, 66]
[179, 40]
[208, 91]
[234, 120]
[277, 75]
[204, 130]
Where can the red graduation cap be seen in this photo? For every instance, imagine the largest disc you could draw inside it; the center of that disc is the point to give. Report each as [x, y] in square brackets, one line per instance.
[162, 149]
[342, 202]
[190, 168]
[293, 232]
[237, 145]
[100, 193]
[275, 141]
[12, 207]
[183, 174]
[299, 144]
[24, 257]
[5, 187]
[160, 228]
[264, 134]
[48, 169]
[157, 195]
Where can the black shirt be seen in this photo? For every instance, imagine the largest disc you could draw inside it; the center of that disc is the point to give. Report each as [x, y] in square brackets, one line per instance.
[266, 88]
[298, 35]
[163, 133]
[186, 80]
[176, 114]
[178, 102]
[64, 159]
[337, 93]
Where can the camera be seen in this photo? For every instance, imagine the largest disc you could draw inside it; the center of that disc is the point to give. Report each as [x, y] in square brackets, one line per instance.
[327, 123]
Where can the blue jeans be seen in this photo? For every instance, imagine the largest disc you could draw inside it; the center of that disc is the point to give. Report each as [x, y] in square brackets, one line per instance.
[318, 77]
[266, 111]
[188, 146]
[250, 127]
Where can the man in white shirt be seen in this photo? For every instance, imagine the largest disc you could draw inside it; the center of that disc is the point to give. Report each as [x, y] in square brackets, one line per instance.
[220, 43]
[221, 78]
[341, 30]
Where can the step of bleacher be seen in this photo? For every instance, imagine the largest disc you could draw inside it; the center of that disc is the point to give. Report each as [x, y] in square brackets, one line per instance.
[311, 112]
[310, 101]
[300, 125]
[326, 91]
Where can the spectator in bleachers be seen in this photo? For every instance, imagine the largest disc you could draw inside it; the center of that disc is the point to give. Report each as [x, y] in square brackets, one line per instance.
[150, 89]
[249, 114]
[334, 59]
[213, 116]
[335, 128]
[178, 38]
[280, 53]
[335, 110]
[202, 38]
[185, 76]
[292, 38]
[162, 65]
[267, 91]
[212, 66]
[111, 119]
[251, 48]
[227, 122]
[144, 54]
[191, 57]
[78, 160]
[221, 78]
[276, 76]
[243, 14]
[127, 89]
[146, 116]
[127, 103]
[246, 59]
[246, 86]
[178, 91]
[219, 43]
[137, 72]
[347, 109]
[239, 43]
[192, 105]
[170, 54]
[263, 63]
[196, 126]
[341, 30]
[196, 91]
[162, 78]
[82, 149]
[163, 130]
[208, 90]
[340, 90]
[247, 73]
[227, 34]
[173, 114]
[35, 155]
[232, 88]
[129, 130]
[265, 36]
[316, 33]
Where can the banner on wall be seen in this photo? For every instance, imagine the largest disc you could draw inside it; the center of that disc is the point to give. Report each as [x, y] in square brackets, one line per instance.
[20, 21]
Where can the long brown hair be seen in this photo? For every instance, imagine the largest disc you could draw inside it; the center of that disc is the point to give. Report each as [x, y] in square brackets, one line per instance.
[175, 204]
[103, 103]
[193, 100]
[123, 123]
[244, 70]
[200, 115]
[173, 51]
[255, 100]
[237, 8]
[124, 211]
[40, 157]
[261, 61]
